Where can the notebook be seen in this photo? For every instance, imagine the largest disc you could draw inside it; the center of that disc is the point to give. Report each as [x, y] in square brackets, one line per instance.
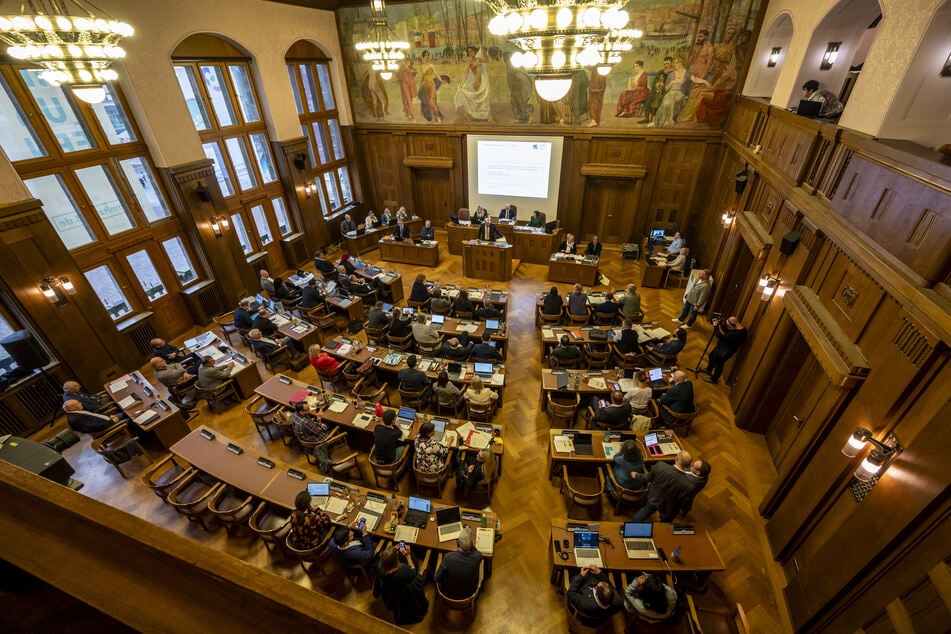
[656, 378]
[587, 551]
[637, 540]
[418, 513]
[449, 523]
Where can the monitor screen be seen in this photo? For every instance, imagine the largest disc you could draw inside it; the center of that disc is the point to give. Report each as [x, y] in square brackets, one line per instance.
[656, 374]
[406, 412]
[407, 310]
[318, 489]
[387, 307]
[438, 320]
[330, 286]
[418, 504]
[450, 515]
[492, 324]
[582, 439]
[585, 539]
[657, 234]
[483, 368]
[638, 529]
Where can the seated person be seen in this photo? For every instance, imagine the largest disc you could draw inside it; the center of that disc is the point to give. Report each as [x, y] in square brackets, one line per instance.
[675, 245]
[428, 232]
[401, 586]
[509, 213]
[568, 245]
[424, 333]
[285, 291]
[402, 214]
[86, 422]
[479, 214]
[537, 220]
[387, 440]
[626, 464]
[311, 296]
[578, 302]
[630, 303]
[594, 248]
[652, 599]
[430, 454]
[678, 397]
[420, 292]
[308, 425]
[352, 545]
[608, 306]
[413, 380]
[476, 471]
[669, 345]
[457, 348]
[400, 327]
[674, 262]
[322, 264]
[347, 225]
[309, 525]
[243, 316]
[265, 345]
[267, 283]
[401, 231]
[485, 351]
[211, 377]
[565, 351]
[462, 303]
[173, 374]
[387, 218]
[447, 394]
[628, 344]
[831, 106]
[591, 594]
[478, 394]
[553, 303]
[161, 348]
[439, 302]
[639, 396]
[371, 220]
[487, 311]
[72, 390]
[321, 361]
[615, 415]
[458, 574]
[347, 265]
[263, 322]
[358, 287]
[378, 318]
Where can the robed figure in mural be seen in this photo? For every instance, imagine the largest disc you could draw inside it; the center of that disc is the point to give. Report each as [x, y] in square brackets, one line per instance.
[472, 97]
[429, 84]
[406, 76]
[637, 92]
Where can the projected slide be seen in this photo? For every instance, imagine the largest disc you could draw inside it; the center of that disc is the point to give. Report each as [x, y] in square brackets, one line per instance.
[514, 168]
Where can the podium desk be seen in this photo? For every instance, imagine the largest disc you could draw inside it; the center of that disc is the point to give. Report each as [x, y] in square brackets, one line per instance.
[408, 252]
[368, 240]
[572, 269]
[488, 260]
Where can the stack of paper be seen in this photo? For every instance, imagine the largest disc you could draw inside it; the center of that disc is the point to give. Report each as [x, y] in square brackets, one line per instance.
[127, 402]
[548, 333]
[115, 386]
[626, 385]
[145, 417]
[338, 406]
[336, 505]
[611, 448]
[362, 421]
[498, 379]
[598, 383]
[344, 350]
[406, 534]
[375, 506]
[564, 444]
[485, 540]
[278, 320]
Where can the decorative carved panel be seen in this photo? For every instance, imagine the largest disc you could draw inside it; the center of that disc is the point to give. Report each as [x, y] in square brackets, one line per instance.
[849, 293]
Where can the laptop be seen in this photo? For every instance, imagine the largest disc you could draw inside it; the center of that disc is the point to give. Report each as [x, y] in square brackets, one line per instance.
[583, 444]
[453, 368]
[408, 310]
[418, 513]
[660, 445]
[440, 425]
[319, 492]
[372, 272]
[587, 550]
[359, 265]
[405, 417]
[491, 326]
[483, 370]
[438, 320]
[387, 307]
[449, 523]
[454, 219]
[637, 540]
[809, 109]
[657, 236]
[655, 378]
[329, 287]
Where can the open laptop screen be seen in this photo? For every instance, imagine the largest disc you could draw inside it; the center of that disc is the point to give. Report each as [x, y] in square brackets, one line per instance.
[448, 516]
[656, 374]
[440, 424]
[586, 539]
[438, 320]
[318, 489]
[492, 324]
[650, 439]
[406, 412]
[419, 504]
[483, 368]
[638, 529]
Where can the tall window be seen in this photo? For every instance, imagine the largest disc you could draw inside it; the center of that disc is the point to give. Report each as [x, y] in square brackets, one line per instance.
[309, 75]
[224, 107]
[91, 170]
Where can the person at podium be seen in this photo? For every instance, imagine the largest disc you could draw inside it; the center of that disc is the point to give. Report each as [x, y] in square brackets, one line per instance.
[401, 231]
[488, 231]
[568, 245]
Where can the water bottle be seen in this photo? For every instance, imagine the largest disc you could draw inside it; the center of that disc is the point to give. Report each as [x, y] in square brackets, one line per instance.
[577, 381]
[485, 521]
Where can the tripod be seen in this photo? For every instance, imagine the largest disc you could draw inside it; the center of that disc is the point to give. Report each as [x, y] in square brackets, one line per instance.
[713, 334]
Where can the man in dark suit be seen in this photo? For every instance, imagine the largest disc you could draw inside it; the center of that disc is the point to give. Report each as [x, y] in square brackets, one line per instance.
[608, 306]
[564, 351]
[568, 245]
[413, 380]
[347, 225]
[484, 351]
[488, 231]
[322, 264]
[614, 416]
[263, 323]
[457, 348]
[591, 593]
[628, 344]
[86, 422]
[72, 390]
[458, 575]
[487, 311]
[594, 248]
[378, 317]
[401, 231]
[357, 286]
[243, 316]
[508, 213]
[698, 476]
[310, 296]
[678, 398]
[670, 488]
[428, 232]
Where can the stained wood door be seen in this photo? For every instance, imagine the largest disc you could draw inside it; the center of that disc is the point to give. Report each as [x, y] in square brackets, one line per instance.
[432, 195]
[799, 411]
[609, 210]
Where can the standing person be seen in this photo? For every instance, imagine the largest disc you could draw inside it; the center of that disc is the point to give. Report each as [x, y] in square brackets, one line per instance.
[489, 232]
[458, 574]
[730, 336]
[403, 589]
[694, 300]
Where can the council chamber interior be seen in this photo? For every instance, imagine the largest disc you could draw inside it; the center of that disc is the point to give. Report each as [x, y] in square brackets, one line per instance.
[236, 136]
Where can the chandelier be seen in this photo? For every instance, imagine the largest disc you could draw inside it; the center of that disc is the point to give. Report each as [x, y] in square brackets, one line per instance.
[383, 53]
[559, 38]
[73, 50]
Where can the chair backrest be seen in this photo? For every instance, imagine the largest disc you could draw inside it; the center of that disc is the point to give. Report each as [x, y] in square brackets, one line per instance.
[267, 524]
[376, 335]
[468, 602]
[584, 498]
[412, 399]
[165, 475]
[484, 411]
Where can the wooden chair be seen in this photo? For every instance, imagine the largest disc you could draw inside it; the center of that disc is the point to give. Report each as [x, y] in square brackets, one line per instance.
[580, 621]
[262, 413]
[418, 305]
[182, 392]
[463, 314]
[557, 363]
[621, 495]
[597, 359]
[603, 319]
[231, 507]
[272, 524]
[577, 320]
[542, 320]
[370, 389]
[365, 570]
[562, 409]
[452, 408]
[682, 422]
[376, 336]
[351, 377]
[680, 275]
[417, 400]
[626, 361]
[165, 475]
[655, 359]
[404, 344]
[323, 321]
[276, 358]
[343, 460]
[481, 412]
[314, 556]
[433, 481]
[582, 490]
[118, 447]
[482, 488]
[225, 323]
[190, 498]
[217, 395]
[467, 604]
[333, 378]
[441, 310]
[389, 472]
[429, 349]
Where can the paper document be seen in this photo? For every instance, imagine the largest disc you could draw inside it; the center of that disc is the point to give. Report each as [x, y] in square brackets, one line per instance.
[336, 505]
[485, 540]
[145, 417]
[127, 402]
[115, 386]
[611, 448]
[338, 406]
[362, 421]
[478, 439]
[375, 506]
[627, 385]
[548, 333]
[406, 534]
[598, 383]
[564, 444]
[344, 350]
[460, 327]
[278, 320]
[372, 518]
[301, 328]
[498, 379]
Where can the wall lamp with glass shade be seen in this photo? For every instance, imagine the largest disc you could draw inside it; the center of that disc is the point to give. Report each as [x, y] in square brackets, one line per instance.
[310, 188]
[727, 218]
[768, 285]
[774, 57]
[873, 466]
[829, 57]
[55, 289]
[218, 225]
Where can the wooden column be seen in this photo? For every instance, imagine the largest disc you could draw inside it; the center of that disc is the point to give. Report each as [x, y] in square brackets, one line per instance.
[306, 213]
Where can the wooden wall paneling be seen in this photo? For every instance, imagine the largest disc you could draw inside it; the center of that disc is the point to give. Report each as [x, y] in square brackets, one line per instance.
[652, 160]
[745, 117]
[222, 258]
[81, 333]
[306, 213]
[679, 170]
[384, 156]
[571, 211]
[789, 142]
[715, 193]
[821, 159]
[849, 293]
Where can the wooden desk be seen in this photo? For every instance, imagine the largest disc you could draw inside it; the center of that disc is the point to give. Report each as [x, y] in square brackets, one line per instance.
[585, 388]
[498, 297]
[488, 261]
[408, 252]
[246, 376]
[552, 334]
[598, 456]
[275, 486]
[170, 425]
[369, 240]
[392, 279]
[653, 276]
[574, 270]
[530, 244]
[352, 307]
[698, 552]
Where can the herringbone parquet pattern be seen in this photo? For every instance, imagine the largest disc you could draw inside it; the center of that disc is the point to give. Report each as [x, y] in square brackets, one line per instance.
[518, 597]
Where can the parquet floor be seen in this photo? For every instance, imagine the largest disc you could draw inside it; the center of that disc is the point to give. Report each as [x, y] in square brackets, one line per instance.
[518, 597]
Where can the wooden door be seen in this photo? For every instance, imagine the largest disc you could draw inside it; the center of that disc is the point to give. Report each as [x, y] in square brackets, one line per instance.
[799, 410]
[432, 195]
[739, 271]
[609, 210]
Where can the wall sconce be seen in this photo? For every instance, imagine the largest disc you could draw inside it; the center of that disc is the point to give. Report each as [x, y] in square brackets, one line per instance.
[946, 69]
[204, 194]
[300, 161]
[55, 289]
[727, 218]
[774, 57]
[768, 285]
[828, 59]
[218, 224]
[875, 463]
[310, 188]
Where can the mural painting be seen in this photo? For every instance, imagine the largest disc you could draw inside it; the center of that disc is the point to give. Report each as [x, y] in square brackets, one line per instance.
[681, 74]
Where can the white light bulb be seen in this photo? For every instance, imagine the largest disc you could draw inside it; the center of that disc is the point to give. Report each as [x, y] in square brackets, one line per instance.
[564, 18]
[558, 59]
[538, 19]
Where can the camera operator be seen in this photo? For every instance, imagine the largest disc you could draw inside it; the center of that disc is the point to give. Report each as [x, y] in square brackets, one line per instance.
[730, 336]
